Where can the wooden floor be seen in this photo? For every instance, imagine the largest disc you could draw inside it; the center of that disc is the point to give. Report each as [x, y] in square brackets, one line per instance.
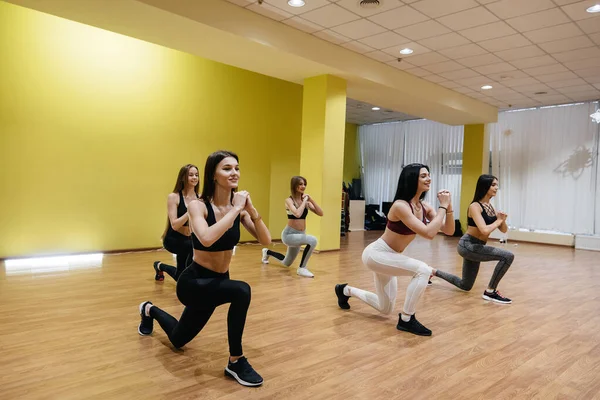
[73, 334]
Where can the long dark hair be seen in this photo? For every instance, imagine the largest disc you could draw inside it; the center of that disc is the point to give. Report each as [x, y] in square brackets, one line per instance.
[409, 182]
[182, 179]
[295, 182]
[208, 189]
[484, 183]
[179, 185]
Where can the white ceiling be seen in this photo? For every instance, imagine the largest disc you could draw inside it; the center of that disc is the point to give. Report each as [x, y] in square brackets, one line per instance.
[361, 113]
[520, 47]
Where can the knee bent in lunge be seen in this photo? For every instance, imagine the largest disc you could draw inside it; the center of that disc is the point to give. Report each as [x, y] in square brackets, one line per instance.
[386, 308]
[244, 292]
[424, 270]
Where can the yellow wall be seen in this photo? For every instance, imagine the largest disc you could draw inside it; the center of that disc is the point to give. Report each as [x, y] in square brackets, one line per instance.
[94, 127]
[351, 159]
[473, 152]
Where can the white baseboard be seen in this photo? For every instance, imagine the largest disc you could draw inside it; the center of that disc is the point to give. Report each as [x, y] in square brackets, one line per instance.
[560, 239]
[587, 242]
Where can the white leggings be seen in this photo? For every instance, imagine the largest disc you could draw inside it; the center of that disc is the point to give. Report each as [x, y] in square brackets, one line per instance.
[386, 265]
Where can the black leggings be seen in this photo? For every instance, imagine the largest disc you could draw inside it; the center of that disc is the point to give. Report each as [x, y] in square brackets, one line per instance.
[474, 251]
[181, 246]
[281, 257]
[201, 291]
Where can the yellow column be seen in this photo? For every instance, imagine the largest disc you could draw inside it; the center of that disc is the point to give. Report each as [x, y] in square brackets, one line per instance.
[474, 155]
[322, 154]
[351, 160]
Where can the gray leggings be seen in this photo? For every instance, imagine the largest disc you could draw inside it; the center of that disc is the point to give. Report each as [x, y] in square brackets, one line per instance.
[474, 251]
[293, 239]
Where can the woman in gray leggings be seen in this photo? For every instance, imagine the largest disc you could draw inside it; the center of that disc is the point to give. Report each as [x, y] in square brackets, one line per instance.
[294, 235]
[482, 221]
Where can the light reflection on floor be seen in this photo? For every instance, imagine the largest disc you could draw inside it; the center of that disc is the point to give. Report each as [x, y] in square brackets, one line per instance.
[38, 265]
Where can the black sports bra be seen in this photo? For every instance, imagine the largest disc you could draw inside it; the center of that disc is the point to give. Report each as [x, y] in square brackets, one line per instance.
[489, 219]
[182, 208]
[291, 215]
[230, 238]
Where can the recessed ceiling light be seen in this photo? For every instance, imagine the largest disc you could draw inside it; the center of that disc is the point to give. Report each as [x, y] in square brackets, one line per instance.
[375, 108]
[406, 51]
[594, 9]
[369, 3]
[296, 3]
[486, 87]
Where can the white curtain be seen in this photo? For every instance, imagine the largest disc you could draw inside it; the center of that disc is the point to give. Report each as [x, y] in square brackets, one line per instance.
[440, 147]
[382, 156]
[597, 189]
[386, 148]
[546, 162]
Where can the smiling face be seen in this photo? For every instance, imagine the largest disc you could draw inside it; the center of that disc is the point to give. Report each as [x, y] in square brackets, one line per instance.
[192, 177]
[297, 186]
[493, 190]
[424, 180]
[227, 173]
[301, 187]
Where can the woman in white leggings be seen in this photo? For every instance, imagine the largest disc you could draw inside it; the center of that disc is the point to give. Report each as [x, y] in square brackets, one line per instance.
[407, 217]
[294, 234]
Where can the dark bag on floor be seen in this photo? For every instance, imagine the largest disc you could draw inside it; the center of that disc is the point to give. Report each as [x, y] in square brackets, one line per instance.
[457, 228]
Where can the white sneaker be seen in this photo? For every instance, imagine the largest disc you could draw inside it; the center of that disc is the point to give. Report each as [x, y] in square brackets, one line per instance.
[304, 272]
[265, 259]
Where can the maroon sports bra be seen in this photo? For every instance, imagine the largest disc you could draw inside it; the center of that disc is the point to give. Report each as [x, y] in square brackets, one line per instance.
[400, 228]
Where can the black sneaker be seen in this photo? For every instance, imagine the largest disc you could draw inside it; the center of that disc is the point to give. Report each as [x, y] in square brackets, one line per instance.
[412, 326]
[496, 297]
[429, 282]
[147, 323]
[243, 372]
[342, 298]
[159, 275]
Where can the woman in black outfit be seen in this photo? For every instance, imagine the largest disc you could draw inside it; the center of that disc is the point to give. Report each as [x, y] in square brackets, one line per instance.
[205, 284]
[176, 237]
